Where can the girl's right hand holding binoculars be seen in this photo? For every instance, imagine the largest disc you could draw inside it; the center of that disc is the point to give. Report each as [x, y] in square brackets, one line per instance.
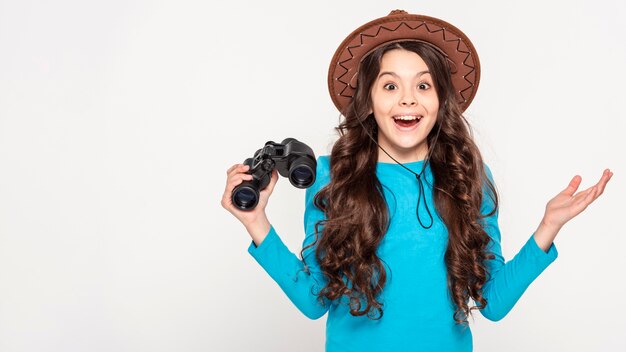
[254, 220]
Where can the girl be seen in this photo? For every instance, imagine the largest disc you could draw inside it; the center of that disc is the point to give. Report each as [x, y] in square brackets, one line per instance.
[398, 242]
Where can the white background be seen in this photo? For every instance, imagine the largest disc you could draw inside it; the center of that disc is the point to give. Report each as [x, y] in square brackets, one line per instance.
[118, 120]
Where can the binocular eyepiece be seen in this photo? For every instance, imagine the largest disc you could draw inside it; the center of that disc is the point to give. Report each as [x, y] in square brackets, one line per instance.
[291, 158]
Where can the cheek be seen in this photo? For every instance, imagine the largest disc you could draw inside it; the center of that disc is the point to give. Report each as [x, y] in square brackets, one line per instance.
[379, 121]
[433, 103]
[383, 107]
[434, 110]
[380, 102]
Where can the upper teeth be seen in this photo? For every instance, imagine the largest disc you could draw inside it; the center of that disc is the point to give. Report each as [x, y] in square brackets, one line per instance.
[407, 117]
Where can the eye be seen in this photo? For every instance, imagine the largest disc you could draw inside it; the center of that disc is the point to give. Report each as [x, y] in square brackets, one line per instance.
[423, 84]
[389, 85]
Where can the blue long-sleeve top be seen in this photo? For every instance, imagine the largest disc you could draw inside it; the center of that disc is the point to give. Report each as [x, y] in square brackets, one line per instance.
[417, 304]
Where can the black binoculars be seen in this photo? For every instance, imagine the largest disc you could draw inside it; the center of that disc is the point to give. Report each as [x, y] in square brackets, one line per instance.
[291, 158]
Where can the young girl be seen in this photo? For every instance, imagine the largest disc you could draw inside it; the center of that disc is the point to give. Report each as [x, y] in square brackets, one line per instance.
[402, 220]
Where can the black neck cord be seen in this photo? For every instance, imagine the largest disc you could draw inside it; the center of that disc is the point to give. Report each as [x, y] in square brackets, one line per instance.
[417, 176]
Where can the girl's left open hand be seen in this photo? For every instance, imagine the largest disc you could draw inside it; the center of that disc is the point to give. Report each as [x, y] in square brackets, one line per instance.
[566, 205]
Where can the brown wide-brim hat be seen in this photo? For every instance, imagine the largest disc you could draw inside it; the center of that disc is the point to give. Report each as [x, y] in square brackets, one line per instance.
[402, 26]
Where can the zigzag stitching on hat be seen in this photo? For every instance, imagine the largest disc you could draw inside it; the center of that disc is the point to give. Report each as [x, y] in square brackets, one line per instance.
[464, 62]
[473, 68]
[425, 24]
[361, 35]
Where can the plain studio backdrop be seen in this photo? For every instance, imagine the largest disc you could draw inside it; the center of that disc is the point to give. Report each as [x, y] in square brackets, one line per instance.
[118, 120]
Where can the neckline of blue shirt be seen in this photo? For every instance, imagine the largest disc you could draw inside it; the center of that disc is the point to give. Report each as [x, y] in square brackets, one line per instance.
[415, 166]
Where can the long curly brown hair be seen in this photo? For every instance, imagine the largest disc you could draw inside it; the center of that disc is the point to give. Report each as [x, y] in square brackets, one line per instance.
[356, 218]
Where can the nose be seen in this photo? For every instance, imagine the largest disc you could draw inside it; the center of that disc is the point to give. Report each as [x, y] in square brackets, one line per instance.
[408, 99]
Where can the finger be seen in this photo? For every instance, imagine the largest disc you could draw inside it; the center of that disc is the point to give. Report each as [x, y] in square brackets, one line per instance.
[234, 167]
[589, 195]
[235, 181]
[231, 169]
[227, 202]
[581, 196]
[226, 199]
[573, 186]
[581, 205]
[581, 201]
[239, 168]
[589, 198]
[270, 187]
[606, 176]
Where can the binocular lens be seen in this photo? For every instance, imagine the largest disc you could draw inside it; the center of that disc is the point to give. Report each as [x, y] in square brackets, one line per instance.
[302, 176]
[245, 198]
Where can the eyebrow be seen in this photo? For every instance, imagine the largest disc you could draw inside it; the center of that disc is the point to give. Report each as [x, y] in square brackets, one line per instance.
[395, 75]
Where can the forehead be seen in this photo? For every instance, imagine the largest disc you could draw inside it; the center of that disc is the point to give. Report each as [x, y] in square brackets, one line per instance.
[402, 62]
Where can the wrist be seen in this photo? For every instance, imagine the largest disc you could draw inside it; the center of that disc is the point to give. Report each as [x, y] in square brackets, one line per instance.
[545, 235]
[258, 229]
[549, 226]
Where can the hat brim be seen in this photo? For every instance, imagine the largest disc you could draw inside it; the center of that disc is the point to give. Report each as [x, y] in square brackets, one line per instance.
[401, 26]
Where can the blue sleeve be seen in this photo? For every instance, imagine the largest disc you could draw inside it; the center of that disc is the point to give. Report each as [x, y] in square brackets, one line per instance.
[507, 281]
[299, 283]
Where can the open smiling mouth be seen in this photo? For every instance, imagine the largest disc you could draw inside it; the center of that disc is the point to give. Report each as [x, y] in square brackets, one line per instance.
[407, 121]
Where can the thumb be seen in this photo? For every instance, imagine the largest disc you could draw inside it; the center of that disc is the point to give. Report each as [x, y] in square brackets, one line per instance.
[270, 187]
[573, 186]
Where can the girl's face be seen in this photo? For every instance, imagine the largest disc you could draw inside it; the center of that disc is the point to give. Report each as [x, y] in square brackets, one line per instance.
[405, 105]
